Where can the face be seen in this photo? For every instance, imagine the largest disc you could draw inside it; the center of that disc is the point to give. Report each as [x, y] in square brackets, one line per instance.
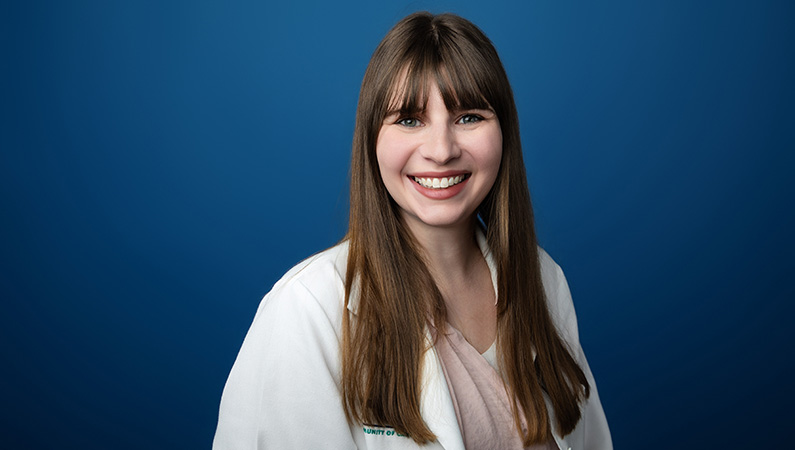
[439, 165]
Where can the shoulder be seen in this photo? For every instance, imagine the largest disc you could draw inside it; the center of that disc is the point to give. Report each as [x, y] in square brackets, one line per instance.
[550, 270]
[301, 314]
[316, 283]
[321, 268]
[286, 374]
[297, 328]
[558, 296]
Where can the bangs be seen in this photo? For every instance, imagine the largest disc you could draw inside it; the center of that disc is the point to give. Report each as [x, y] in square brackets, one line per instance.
[460, 84]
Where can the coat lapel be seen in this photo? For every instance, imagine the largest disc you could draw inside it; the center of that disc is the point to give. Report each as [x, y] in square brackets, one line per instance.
[437, 406]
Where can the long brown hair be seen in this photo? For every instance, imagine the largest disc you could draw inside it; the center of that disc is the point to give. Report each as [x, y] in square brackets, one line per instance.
[387, 282]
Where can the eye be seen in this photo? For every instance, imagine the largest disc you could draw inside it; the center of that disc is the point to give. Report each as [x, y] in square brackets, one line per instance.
[408, 122]
[470, 118]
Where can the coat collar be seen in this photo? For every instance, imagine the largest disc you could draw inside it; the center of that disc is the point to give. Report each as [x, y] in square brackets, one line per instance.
[486, 250]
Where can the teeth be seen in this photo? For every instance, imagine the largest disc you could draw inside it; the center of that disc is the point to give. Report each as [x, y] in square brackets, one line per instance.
[440, 183]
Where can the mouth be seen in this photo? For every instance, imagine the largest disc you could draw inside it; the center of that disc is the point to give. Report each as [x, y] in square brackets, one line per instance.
[440, 183]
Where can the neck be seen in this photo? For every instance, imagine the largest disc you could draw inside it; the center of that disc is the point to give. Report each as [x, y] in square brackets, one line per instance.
[462, 275]
[452, 253]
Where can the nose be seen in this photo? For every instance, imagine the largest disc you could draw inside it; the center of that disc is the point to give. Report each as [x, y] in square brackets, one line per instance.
[441, 146]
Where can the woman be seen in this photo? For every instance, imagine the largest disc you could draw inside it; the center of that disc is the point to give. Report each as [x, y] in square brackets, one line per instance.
[437, 322]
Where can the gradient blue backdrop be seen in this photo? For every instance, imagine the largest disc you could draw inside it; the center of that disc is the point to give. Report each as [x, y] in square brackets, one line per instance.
[164, 162]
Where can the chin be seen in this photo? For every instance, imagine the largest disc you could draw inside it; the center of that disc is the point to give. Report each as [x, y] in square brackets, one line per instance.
[443, 220]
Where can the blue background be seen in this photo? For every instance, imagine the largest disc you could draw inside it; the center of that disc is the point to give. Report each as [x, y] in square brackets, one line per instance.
[164, 163]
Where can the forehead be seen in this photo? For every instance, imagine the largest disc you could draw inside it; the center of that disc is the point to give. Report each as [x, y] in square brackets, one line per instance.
[411, 88]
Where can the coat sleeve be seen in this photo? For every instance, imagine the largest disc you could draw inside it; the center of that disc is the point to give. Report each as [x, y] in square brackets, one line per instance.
[283, 390]
[592, 432]
[595, 432]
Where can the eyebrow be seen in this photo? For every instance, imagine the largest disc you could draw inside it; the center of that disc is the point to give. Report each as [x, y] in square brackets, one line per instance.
[404, 111]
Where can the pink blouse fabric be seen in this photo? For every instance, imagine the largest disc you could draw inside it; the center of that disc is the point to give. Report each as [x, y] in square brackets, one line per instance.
[481, 403]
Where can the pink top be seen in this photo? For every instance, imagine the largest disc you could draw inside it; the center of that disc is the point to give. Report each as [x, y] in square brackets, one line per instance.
[481, 403]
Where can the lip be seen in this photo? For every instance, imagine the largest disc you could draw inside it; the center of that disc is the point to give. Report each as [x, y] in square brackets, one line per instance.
[445, 174]
[439, 194]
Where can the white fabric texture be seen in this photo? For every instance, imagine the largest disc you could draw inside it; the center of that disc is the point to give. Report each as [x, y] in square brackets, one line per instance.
[283, 390]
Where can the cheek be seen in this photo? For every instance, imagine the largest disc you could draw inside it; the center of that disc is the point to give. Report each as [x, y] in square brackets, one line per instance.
[491, 156]
[391, 155]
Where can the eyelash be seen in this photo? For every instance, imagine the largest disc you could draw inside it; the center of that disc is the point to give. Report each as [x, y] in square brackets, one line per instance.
[403, 120]
[477, 118]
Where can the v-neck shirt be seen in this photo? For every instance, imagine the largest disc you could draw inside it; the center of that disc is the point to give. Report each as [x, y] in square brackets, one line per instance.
[480, 400]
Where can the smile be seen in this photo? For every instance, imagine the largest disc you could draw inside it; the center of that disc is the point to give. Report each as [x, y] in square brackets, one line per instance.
[440, 183]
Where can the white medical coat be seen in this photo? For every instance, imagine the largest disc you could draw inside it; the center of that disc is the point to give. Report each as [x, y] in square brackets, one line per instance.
[283, 391]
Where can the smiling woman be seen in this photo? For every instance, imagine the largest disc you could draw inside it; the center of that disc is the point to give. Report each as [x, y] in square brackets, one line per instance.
[437, 322]
[439, 165]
